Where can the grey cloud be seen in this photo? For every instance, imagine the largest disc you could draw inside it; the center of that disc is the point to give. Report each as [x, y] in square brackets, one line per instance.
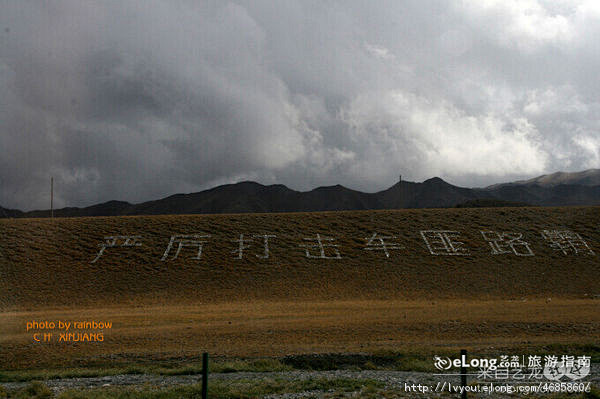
[136, 100]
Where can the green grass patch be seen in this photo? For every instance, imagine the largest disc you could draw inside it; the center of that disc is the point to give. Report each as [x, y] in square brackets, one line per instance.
[420, 359]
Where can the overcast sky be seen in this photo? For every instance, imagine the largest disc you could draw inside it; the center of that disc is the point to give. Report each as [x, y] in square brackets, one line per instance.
[137, 100]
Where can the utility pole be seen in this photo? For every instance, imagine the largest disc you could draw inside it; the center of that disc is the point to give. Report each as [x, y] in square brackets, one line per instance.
[52, 197]
[400, 191]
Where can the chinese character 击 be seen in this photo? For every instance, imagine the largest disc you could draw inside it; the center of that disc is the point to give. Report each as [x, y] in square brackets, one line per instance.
[319, 244]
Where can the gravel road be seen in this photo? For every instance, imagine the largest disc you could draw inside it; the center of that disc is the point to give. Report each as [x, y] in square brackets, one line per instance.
[392, 380]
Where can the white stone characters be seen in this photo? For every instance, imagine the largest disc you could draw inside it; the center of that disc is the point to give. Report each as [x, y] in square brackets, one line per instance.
[378, 243]
[507, 243]
[438, 242]
[242, 245]
[321, 246]
[185, 240]
[113, 241]
[567, 242]
[443, 242]
[265, 238]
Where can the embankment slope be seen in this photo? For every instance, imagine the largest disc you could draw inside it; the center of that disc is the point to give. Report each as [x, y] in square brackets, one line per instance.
[46, 263]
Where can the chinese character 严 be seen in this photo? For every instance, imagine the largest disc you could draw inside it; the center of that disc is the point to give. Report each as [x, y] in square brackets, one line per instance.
[112, 241]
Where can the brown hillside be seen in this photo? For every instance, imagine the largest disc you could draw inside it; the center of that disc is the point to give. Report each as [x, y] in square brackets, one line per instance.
[46, 263]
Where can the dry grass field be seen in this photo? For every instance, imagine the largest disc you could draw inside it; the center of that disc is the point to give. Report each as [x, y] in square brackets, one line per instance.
[288, 303]
[140, 335]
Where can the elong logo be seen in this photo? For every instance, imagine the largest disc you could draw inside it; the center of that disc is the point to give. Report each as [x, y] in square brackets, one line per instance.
[445, 363]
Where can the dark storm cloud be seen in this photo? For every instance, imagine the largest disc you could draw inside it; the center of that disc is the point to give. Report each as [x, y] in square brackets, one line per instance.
[136, 100]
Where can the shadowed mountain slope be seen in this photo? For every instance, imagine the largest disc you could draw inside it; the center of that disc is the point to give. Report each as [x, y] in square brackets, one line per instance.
[589, 177]
[251, 197]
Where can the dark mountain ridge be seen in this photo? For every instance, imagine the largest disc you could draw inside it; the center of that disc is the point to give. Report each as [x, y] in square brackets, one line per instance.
[252, 197]
[590, 177]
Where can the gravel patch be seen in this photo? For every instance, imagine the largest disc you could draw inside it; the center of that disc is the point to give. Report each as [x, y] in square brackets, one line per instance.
[392, 380]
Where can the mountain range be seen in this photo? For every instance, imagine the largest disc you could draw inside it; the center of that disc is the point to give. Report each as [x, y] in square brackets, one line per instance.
[558, 189]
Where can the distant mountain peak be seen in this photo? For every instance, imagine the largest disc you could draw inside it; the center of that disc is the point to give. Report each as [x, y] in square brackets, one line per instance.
[557, 189]
[330, 188]
[248, 183]
[435, 180]
[590, 177]
[8, 213]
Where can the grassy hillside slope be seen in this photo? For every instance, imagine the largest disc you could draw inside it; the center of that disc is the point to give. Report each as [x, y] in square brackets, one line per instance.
[46, 263]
